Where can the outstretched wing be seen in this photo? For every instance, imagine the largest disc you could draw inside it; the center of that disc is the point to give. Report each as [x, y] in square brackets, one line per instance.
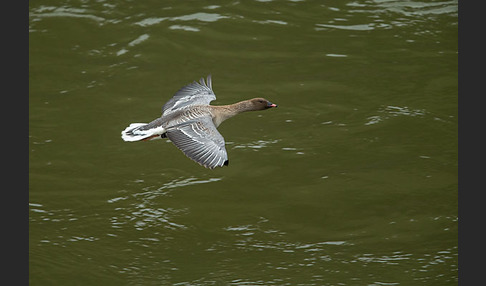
[199, 140]
[195, 93]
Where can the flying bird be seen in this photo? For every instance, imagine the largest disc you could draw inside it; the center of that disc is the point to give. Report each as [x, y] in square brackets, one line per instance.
[190, 123]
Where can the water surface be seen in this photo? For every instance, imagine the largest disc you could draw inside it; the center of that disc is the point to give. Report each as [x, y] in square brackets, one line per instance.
[352, 180]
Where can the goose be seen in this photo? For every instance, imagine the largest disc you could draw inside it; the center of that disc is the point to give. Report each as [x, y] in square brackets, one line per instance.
[190, 123]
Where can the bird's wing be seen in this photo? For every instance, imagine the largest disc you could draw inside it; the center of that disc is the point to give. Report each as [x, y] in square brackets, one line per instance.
[195, 93]
[199, 140]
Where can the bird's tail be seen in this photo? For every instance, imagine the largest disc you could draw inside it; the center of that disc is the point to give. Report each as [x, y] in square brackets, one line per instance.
[141, 131]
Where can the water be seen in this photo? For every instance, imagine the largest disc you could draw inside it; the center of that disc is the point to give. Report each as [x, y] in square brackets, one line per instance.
[352, 180]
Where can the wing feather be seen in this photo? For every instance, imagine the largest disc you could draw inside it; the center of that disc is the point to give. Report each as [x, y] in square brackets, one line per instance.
[199, 140]
[195, 93]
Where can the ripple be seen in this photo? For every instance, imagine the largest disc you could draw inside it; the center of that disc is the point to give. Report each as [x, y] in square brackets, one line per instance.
[397, 111]
[393, 259]
[417, 8]
[150, 21]
[271, 22]
[51, 11]
[185, 28]
[133, 43]
[336, 55]
[141, 216]
[40, 214]
[394, 111]
[200, 16]
[261, 236]
[256, 144]
[386, 14]
[141, 210]
[361, 27]
[138, 40]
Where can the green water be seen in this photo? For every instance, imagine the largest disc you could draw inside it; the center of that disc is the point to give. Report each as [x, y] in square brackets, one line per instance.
[352, 180]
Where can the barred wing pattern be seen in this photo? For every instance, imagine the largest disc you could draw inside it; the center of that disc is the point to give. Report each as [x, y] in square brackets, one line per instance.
[199, 140]
[195, 93]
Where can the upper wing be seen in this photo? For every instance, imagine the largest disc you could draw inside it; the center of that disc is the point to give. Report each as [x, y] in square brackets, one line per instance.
[199, 140]
[195, 93]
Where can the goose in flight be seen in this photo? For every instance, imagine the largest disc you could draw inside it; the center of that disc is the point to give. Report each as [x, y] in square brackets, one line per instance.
[191, 123]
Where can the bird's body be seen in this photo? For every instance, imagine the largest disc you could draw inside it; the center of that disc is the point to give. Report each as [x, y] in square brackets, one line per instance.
[191, 123]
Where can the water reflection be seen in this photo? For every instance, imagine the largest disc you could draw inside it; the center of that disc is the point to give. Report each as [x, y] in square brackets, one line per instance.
[377, 14]
[52, 11]
[40, 214]
[59, 227]
[142, 210]
[394, 111]
[343, 15]
[135, 42]
[260, 237]
[418, 8]
[255, 145]
[263, 237]
[200, 16]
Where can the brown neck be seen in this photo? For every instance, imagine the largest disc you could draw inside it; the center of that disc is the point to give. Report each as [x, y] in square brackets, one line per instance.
[240, 107]
[223, 112]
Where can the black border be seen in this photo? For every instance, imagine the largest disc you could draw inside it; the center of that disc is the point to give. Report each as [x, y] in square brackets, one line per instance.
[472, 76]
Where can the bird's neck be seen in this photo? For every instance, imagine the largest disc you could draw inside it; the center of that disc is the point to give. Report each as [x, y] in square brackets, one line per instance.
[223, 112]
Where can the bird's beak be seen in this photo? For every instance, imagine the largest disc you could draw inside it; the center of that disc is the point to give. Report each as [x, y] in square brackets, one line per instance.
[269, 105]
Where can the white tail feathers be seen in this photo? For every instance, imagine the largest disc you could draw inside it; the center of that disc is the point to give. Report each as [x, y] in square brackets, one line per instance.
[133, 133]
